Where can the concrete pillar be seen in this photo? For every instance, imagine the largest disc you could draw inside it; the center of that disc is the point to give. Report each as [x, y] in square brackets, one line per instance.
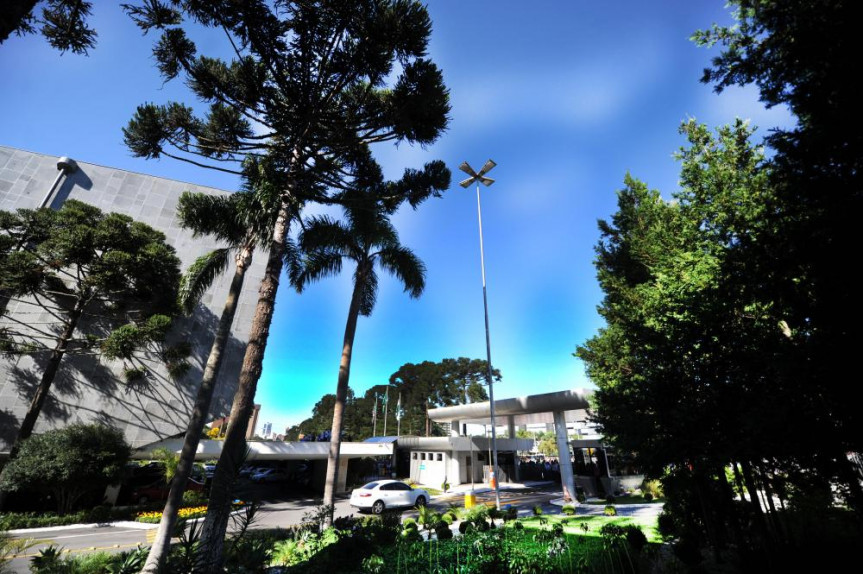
[455, 428]
[343, 474]
[566, 477]
[510, 426]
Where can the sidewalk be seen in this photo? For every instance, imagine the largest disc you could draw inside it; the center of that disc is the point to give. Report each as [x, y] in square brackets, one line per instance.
[481, 487]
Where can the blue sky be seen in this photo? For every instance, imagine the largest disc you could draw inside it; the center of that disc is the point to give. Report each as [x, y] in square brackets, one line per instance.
[565, 96]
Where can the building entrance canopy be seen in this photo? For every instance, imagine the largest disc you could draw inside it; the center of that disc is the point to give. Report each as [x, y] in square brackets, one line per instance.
[558, 408]
[519, 411]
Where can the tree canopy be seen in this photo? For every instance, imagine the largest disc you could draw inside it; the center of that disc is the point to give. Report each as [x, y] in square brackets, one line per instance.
[63, 23]
[69, 463]
[420, 385]
[307, 88]
[104, 283]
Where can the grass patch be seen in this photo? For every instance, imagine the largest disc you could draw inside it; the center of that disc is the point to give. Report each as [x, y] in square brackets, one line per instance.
[574, 524]
[627, 499]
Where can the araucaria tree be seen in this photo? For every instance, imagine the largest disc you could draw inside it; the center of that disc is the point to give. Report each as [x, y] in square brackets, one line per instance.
[367, 239]
[305, 91]
[89, 272]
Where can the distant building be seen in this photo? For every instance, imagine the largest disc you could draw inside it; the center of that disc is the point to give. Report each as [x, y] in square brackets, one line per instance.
[222, 424]
[267, 430]
[89, 389]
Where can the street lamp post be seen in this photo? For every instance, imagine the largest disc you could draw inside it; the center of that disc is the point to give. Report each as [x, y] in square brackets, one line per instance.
[478, 177]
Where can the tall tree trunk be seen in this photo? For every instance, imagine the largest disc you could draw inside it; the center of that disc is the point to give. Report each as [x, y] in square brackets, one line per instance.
[210, 554]
[162, 542]
[341, 397]
[768, 495]
[739, 480]
[756, 506]
[45, 383]
[48, 376]
[849, 473]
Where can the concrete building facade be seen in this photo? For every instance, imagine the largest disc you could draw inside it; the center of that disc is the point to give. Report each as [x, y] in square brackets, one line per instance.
[92, 389]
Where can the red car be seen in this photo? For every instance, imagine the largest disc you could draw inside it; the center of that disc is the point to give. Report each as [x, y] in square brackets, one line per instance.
[159, 490]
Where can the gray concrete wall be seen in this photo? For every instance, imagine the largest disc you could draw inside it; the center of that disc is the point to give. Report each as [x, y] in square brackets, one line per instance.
[93, 389]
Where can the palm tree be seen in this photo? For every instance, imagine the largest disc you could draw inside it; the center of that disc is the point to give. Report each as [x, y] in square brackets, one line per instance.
[366, 238]
[242, 222]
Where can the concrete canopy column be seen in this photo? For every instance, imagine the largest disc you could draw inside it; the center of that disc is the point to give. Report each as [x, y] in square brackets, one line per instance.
[341, 480]
[510, 426]
[566, 476]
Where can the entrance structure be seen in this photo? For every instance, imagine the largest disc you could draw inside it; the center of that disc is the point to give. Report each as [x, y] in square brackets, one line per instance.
[557, 408]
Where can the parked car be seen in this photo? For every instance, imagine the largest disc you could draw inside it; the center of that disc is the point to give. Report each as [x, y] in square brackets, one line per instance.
[209, 469]
[379, 495]
[269, 475]
[159, 490]
[248, 470]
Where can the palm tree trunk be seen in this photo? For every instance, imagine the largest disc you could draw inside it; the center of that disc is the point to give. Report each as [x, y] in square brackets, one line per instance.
[48, 376]
[341, 397]
[162, 542]
[210, 555]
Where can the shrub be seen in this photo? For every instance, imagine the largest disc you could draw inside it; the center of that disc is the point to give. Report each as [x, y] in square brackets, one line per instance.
[465, 526]
[580, 497]
[652, 487]
[610, 510]
[518, 525]
[648, 497]
[610, 499]
[537, 510]
[477, 515]
[635, 537]
[192, 498]
[411, 535]
[568, 509]
[666, 525]
[374, 564]
[443, 533]
[68, 463]
[409, 523]
[447, 519]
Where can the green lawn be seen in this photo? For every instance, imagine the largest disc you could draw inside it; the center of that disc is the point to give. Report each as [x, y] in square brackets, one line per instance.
[573, 524]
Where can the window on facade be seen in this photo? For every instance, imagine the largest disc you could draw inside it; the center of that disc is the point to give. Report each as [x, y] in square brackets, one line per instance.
[414, 455]
[422, 456]
[440, 456]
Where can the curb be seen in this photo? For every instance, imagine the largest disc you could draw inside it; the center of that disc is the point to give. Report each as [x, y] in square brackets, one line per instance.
[119, 524]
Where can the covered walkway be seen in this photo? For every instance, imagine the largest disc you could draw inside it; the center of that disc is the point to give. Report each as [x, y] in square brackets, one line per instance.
[557, 408]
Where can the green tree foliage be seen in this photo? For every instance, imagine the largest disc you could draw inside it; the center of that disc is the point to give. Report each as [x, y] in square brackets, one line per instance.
[695, 366]
[427, 383]
[63, 23]
[319, 81]
[801, 54]
[88, 271]
[68, 463]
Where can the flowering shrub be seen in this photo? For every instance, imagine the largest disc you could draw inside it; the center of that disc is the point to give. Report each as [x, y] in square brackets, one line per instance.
[155, 516]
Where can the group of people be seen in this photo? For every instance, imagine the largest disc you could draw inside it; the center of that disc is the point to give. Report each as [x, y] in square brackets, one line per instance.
[549, 468]
[545, 469]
